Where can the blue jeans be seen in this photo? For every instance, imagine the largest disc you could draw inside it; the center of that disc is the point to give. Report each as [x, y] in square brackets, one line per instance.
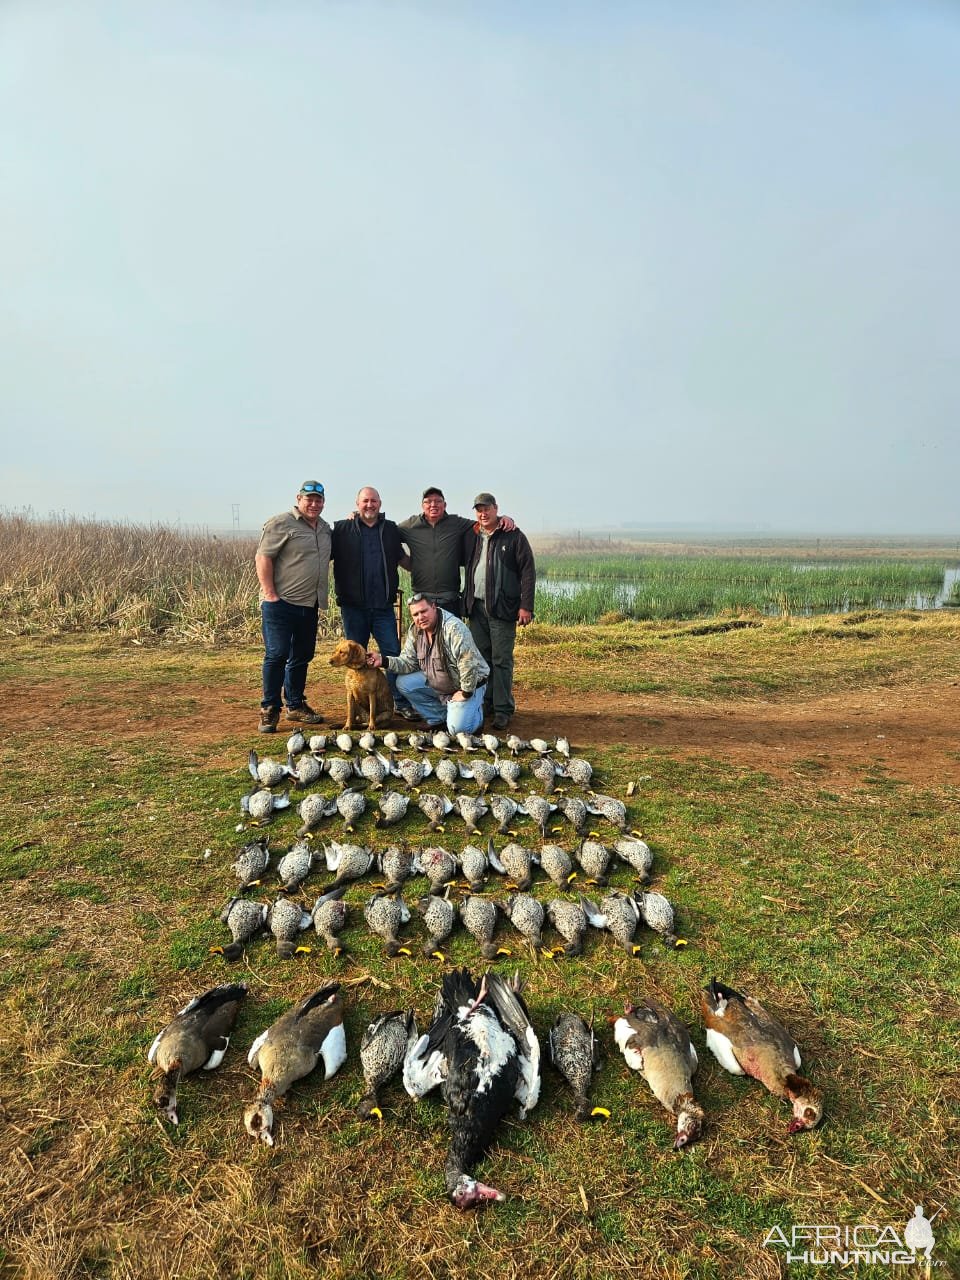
[361, 624]
[461, 717]
[289, 642]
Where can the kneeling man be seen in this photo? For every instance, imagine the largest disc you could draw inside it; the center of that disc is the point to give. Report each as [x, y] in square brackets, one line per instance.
[440, 669]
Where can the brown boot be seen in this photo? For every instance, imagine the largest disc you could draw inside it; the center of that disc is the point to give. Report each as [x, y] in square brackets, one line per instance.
[304, 714]
[269, 719]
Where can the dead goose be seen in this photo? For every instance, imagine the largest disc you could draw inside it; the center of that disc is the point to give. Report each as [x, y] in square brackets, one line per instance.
[479, 916]
[473, 864]
[544, 771]
[197, 1037]
[397, 865]
[619, 914]
[613, 810]
[509, 771]
[515, 861]
[286, 920]
[570, 921]
[439, 866]
[313, 810]
[251, 862]
[657, 1044]
[557, 864]
[539, 809]
[658, 915]
[374, 768]
[439, 917]
[594, 858]
[637, 854]
[290, 1049]
[504, 810]
[294, 867]
[386, 914]
[330, 918]
[349, 861]
[351, 806]
[382, 1051]
[435, 808]
[245, 920]
[576, 1055]
[526, 915]
[391, 808]
[471, 810]
[341, 771]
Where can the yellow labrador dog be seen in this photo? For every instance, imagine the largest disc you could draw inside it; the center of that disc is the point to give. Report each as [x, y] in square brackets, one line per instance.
[366, 687]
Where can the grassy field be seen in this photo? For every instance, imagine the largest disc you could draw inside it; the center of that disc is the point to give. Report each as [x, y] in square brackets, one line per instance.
[123, 764]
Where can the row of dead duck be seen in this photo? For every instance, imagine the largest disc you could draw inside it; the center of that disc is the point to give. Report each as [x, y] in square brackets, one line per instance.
[482, 1052]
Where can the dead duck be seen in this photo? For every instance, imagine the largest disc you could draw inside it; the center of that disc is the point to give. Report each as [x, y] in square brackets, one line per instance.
[307, 771]
[251, 862]
[344, 743]
[557, 864]
[579, 771]
[545, 773]
[317, 743]
[747, 1040]
[637, 854]
[509, 771]
[341, 771]
[391, 808]
[260, 806]
[386, 914]
[491, 743]
[467, 742]
[374, 768]
[474, 865]
[594, 858]
[309, 1032]
[609, 808]
[349, 861]
[576, 1055]
[413, 771]
[471, 810]
[367, 741]
[562, 747]
[515, 745]
[442, 741]
[439, 866]
[479, 916]
[483, 1049]
[439, 917]
[540, 746]
[418, 741]
[447, 772]
[397, 865]
[382, 1050]
[435, 808]
[286, 920]
[266, 772]
[526, 915]
[504, 811]
[196, 1037]
[313, 810]
[619, 914]
[351, 806]
[481, 771]
[657, 914]
[391, 741]
[575, 812]
[246, 921]
[570, 921]
[294, 867]
[515, 861]
[655, 1042]
[296, 743]
[330, 918]
[539, 809]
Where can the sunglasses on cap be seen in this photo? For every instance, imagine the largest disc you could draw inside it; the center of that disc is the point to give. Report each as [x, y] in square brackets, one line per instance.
[417, 597]
[312, 487]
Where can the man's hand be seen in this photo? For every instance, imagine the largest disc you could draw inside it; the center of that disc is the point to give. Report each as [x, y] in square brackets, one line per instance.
[507, 524]
[460, 696]
[374, 660]
[524, 617]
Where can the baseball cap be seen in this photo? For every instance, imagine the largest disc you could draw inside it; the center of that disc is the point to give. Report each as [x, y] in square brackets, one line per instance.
[311, 486]
[432, 492]
[484, 500]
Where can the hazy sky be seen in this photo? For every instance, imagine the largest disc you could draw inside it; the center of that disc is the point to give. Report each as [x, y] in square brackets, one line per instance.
[650, 262]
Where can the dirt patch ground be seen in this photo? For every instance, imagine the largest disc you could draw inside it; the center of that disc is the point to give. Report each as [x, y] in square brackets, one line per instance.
[910, 733]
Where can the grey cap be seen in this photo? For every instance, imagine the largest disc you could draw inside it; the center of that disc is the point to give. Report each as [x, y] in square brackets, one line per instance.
[484, 500]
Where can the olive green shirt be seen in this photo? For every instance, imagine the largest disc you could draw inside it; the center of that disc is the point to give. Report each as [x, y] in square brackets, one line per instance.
[301, 558]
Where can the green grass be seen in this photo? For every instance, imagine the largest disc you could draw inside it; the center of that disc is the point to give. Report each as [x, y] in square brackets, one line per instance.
[840, 908]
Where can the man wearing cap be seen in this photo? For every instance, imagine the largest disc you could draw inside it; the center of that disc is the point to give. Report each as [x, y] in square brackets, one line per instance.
[439, 669]
[367, 551]
[500, 582]
[293, 565]
[435, 539]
